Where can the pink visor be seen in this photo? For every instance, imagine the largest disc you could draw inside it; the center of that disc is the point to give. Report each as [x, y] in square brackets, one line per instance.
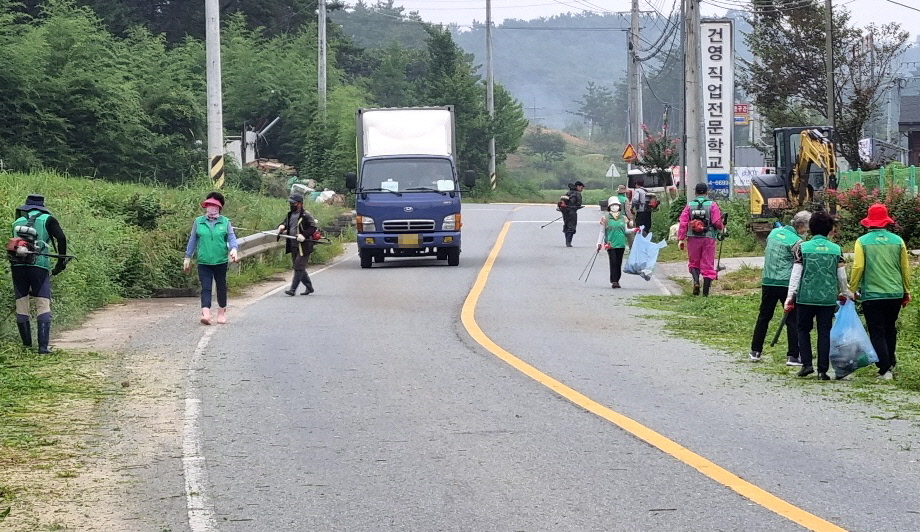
[211, 202]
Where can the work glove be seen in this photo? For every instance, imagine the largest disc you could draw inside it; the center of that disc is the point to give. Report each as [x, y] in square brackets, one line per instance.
[681, 245]
[186, 264]
[233, 255]
[844, 296]
[905, 300]
[301, 238]
[789, 305]
[280, 229]
[59, 267]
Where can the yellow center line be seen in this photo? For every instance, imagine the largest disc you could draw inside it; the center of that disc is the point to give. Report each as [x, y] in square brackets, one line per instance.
[704, 466]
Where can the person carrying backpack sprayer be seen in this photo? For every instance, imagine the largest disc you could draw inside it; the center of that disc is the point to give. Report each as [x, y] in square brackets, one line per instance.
[700, 225]
[881, 279]
[612, 237]
[643, 203]
[774, 286]
[568, 205]
[818, 281]
[35, 233]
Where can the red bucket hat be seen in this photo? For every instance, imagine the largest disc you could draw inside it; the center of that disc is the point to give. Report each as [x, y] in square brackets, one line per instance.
[212, 201]
[877, 217]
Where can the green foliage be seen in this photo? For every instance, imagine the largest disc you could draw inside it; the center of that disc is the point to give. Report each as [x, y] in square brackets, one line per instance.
[903, 207]
[130, 240]
[547, 145]
[598, 107]
[787, 77]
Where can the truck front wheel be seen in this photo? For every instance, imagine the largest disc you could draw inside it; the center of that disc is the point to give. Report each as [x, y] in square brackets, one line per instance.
[453, 256]
[366, 257]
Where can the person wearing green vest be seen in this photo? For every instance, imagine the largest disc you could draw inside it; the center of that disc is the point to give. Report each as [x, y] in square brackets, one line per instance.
[624, 201]
[818, 281]
[881, 279]
[774, 286]
[36, 233]
[612, 237]
[211, 237]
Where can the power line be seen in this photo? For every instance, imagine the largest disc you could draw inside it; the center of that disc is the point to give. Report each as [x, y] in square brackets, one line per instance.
[904, 5]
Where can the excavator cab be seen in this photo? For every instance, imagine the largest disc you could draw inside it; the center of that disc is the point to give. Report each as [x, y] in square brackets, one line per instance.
[806, 167]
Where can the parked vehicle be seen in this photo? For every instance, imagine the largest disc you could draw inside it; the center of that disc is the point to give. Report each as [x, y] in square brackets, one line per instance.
[407, 194]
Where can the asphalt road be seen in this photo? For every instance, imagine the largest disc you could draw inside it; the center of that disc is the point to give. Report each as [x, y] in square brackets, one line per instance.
[368, 406]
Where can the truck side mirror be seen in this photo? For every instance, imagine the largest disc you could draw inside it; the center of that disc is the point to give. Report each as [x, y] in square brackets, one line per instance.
[469, 178]
[351, 180]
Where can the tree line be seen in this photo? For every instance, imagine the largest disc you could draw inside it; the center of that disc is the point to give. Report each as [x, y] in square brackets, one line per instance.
[117, 90]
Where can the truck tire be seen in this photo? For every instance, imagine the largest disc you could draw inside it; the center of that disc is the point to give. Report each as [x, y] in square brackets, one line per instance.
[366, 258]
[379, 257]
[453, 256]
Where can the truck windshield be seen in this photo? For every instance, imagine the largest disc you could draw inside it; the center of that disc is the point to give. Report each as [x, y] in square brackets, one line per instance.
[402, 175]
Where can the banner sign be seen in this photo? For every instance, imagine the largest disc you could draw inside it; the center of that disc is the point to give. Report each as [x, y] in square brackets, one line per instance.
[718, 70]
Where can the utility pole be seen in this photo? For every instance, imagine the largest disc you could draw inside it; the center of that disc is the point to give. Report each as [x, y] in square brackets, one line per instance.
[321, 60]
[634, 78]
[490, 92]
[829, 61]
[694, 96]
[215, 98]
[683, 98]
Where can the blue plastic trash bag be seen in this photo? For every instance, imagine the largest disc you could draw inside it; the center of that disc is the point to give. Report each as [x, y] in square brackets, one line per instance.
[851, 348]
[643, 254]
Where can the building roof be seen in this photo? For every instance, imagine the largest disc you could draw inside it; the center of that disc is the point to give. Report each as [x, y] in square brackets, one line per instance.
[910, 113]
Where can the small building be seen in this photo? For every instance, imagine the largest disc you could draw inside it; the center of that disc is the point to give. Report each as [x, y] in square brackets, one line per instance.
[909, 125]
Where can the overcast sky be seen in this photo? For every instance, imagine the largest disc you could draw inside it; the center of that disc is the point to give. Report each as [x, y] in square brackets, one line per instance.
[463, 12]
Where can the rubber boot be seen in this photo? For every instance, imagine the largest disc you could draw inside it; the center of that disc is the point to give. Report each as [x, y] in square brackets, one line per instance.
[568, 240]
[706, 284]
[295, 282]
[205, 316]
[222, 315]
[308, 285]
[695, 272]
[25, 332]
[44, 336]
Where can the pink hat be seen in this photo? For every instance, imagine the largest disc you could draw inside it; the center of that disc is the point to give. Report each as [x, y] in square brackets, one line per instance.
[212, 201]
[877, 217]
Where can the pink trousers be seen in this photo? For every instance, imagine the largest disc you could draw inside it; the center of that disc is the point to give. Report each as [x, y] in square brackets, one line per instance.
[701, 253]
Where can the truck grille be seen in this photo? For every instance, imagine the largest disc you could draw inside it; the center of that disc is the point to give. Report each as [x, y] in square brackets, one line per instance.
[407, 226]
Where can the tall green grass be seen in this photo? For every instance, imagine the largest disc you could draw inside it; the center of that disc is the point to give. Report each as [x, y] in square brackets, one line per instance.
[130, 239]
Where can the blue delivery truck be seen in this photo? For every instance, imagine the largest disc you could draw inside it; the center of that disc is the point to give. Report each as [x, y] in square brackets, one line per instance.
[407, 192]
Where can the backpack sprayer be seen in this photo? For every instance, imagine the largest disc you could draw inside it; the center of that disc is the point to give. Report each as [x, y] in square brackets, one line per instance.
[25, 248]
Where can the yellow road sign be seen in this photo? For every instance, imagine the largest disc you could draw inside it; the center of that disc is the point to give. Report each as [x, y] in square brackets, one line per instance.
[629, 153]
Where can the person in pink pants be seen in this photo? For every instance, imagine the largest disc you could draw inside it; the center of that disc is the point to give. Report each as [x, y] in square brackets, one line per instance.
[700, 225]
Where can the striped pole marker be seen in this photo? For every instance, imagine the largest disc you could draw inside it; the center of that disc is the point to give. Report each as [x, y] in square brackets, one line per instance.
[217, 170]
[493, 181]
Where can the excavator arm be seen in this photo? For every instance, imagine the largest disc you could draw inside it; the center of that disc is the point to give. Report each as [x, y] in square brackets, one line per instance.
[815, 150]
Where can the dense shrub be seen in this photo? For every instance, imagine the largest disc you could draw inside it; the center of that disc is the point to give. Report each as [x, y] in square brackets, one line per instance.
[903, 206]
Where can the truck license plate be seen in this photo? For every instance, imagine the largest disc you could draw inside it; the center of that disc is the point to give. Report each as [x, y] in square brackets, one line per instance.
[778, 203]
[409, 241]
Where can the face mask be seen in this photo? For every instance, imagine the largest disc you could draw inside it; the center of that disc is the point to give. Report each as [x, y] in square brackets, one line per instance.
[212, 212]
[614, 208]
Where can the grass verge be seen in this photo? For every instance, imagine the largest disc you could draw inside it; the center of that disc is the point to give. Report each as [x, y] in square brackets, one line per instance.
[42, 403]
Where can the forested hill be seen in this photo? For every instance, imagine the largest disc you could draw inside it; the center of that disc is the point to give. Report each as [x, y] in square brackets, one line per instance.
[547, 63]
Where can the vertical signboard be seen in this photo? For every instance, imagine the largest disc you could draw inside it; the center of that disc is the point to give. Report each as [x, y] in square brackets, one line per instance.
[718, 69]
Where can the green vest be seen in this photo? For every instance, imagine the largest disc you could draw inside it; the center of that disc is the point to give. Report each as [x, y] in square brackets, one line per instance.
[820, 258]
[616, 231]
[212, 241]
[623, 201]
[777, 260]
[41, 241]
[882, 274]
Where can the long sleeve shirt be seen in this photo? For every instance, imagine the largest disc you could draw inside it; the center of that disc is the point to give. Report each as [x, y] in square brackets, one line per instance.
[193, 238]
[715, 219]
[887, 274]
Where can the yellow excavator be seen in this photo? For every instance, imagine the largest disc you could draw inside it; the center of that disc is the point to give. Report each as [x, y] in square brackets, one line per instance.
[806, 168]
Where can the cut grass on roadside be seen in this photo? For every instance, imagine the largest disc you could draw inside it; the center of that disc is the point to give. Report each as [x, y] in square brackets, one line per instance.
[725, 321]
[41, 398]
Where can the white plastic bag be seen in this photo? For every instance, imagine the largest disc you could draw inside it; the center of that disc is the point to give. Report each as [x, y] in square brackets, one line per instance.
[851, 348]
[643, 255]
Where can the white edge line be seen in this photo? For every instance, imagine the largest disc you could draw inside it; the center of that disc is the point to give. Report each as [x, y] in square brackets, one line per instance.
[200, 512]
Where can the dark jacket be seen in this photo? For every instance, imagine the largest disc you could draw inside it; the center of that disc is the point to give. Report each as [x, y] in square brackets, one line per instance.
[575, 202]
[306, 226]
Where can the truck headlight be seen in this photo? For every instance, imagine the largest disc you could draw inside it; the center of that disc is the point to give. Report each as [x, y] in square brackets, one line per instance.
[451, 222]
[365, 224]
